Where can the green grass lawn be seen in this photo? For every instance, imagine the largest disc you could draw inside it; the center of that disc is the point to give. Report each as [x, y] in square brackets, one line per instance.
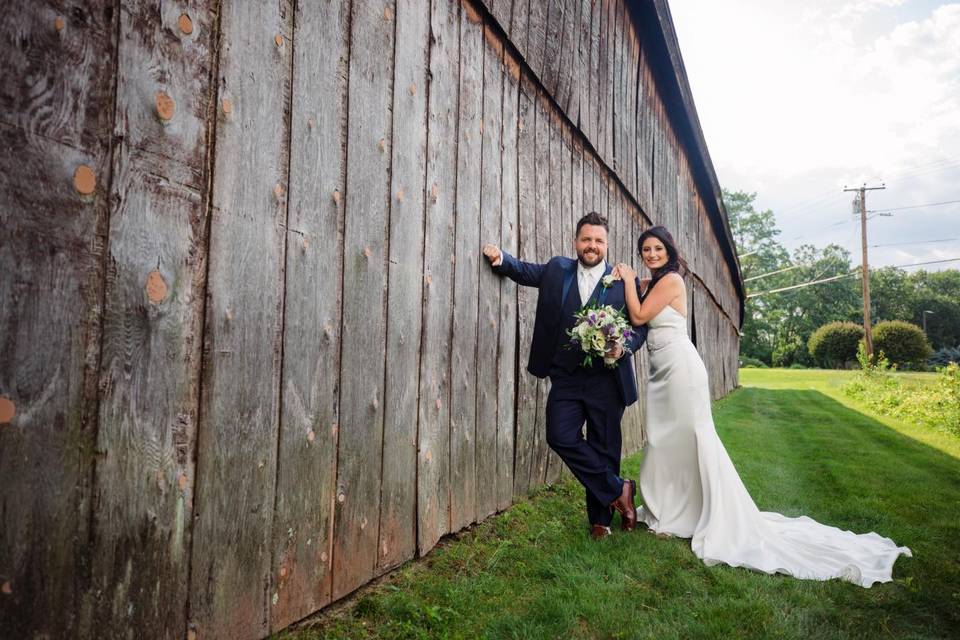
[800, 446]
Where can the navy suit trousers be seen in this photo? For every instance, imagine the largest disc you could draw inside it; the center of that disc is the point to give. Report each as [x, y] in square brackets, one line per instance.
[588, 395]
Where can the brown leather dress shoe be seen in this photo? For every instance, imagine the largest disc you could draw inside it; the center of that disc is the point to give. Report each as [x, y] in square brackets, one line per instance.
[626, 504]
[598, 531]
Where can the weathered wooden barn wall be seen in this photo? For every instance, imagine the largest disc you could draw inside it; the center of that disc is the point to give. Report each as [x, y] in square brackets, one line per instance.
[250, 356]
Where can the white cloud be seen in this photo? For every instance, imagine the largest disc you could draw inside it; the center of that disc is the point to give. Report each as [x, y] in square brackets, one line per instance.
[795, 102]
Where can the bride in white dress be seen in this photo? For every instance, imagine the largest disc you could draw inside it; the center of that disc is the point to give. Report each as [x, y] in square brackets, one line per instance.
[689, 485]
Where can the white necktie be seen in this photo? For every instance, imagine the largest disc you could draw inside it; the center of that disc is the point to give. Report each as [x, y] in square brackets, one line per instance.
[586, 287]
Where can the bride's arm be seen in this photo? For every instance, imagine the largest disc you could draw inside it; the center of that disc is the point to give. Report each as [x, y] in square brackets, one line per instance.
[666, 290]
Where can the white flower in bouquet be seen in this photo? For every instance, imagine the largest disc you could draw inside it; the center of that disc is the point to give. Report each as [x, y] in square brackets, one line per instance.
[597, 330]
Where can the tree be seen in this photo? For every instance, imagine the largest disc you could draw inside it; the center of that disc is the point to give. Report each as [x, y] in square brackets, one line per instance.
[803, 310]
[892, 295]
[777, 327]
[755, 233]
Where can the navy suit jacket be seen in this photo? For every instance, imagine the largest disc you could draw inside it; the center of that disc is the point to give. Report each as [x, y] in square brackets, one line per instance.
[549, 278]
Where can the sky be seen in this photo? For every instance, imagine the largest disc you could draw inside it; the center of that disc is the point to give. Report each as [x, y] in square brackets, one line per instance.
[799, 99]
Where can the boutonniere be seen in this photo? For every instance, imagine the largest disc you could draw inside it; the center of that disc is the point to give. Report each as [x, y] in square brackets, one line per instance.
[608, 281]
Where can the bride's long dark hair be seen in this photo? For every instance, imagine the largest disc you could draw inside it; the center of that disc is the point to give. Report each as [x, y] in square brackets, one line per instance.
[675, 264]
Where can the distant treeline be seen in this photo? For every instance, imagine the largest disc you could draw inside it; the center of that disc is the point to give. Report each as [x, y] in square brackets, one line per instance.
[777, 326]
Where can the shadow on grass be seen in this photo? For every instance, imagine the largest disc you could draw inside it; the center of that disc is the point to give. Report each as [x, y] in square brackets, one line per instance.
[532, 572]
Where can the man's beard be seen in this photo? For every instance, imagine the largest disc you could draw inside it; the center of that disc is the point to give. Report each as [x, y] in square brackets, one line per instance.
[590, 260]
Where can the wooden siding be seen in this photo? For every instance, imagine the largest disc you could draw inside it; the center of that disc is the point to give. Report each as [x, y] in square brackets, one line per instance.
[255, 355]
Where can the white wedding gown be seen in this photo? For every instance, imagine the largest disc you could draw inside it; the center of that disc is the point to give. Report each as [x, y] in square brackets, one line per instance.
[691, 489]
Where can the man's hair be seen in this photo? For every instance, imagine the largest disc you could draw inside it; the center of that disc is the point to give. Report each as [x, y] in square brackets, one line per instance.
[592, 218]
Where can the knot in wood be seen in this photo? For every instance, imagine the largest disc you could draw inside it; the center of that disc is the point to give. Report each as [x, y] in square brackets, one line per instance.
[226, 106]
[185, 24]
[156, 287]
[7, 410]
[59, 23]
[278, 40]
[84, 180]
[165, 106]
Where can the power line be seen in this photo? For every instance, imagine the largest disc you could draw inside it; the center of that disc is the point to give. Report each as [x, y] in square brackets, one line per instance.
[900, 244]
[770, 273]
[852, 273]
[920, 264]
[916, 206]
[805, 284]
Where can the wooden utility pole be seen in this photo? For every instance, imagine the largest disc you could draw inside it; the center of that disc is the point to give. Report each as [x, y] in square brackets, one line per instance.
[867, 330]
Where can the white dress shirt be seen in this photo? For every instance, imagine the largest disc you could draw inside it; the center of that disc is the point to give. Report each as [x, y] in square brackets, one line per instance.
[587, 279]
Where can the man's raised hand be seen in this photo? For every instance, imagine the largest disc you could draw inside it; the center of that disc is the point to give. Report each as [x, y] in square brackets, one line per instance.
[492, 253]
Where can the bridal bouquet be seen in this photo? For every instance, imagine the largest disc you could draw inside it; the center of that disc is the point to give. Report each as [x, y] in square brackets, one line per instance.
[597, 330]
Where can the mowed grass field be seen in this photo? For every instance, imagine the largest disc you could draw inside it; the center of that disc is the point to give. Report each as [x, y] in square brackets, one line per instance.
[801, 447]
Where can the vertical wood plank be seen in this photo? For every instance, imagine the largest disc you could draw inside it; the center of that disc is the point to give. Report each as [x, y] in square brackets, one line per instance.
[433, 448]
[309, 413]
[553, 47]
[616, 159]
[366, 253]
[500, 11]
[633, 75]
[543, 254]
[525, 443]
[612, 79]
[566, 86]
[580, 73]
[463, 365]
[598, 67]
[488, 321]
[56, 99]
[559, 216]
[645, 129]
[537, 20]
[153, 324]
[398, 509]
[520, 26]
[509, 365]
[237, 438]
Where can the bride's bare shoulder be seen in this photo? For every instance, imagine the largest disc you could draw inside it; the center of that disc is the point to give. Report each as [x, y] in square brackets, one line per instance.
[675, 280]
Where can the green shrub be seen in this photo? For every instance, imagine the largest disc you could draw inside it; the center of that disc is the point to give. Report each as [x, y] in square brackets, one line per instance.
[903, 343]
[797, 365]
[752, 363]
[789, 350]
[834, 345]
[944, 356]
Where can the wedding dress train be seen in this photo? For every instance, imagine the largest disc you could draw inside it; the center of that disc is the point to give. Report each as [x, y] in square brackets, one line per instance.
[691, 489]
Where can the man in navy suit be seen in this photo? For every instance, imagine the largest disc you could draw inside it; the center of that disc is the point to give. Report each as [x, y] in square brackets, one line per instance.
[593, 394]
